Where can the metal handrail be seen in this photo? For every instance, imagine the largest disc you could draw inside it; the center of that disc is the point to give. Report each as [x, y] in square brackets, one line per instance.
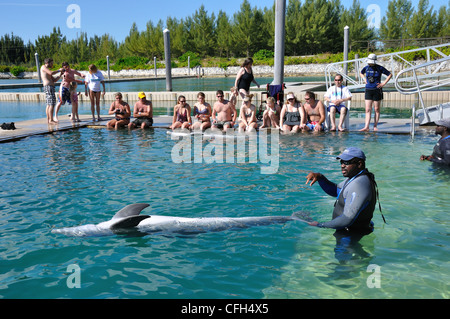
[389, 62]
[420, 85]
[419, 81]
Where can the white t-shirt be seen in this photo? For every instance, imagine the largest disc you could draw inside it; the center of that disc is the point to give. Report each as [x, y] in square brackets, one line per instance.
[94, 80]
[335, 93]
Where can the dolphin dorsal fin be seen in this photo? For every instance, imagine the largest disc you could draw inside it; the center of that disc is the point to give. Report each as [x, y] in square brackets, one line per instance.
[130, 210]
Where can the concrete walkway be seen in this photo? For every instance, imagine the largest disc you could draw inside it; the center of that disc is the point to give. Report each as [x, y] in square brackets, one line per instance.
[40, 126]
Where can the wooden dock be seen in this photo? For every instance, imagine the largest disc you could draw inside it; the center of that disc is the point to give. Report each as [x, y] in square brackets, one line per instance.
[40, 127]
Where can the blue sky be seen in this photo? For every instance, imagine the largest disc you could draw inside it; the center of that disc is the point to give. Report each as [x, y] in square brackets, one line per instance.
[29, 19]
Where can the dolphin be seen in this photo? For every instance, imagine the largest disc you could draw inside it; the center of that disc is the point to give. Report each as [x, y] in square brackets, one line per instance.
[129, 220]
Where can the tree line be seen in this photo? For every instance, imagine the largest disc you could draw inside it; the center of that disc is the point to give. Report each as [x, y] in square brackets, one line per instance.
[312, 27]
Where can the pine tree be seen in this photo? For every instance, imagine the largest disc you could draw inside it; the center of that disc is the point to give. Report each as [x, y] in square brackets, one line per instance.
[443, 21]
[203, 32]
[359, 32]
[224, 34]
[294, 24]
[394, 24]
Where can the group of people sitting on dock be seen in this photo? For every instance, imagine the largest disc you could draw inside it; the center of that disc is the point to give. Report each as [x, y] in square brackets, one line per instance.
[291, 117]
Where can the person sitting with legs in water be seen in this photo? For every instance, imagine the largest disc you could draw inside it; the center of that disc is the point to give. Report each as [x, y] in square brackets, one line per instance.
[271, 116]
[337, 96]
[122, 112]
[202, 112]
[315, 112]
[247, 115]
[143, 113]
[224, 113]
[292, 115]
[181, 114]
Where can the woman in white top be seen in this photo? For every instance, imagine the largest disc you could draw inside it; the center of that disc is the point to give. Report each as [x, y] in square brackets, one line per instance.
[93, 80]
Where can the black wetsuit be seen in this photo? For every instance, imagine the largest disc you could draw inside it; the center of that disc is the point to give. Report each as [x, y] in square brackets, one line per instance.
[356, 200]
[441, 151]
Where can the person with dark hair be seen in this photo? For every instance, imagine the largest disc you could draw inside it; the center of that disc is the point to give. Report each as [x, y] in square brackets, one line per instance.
[224, 114]
[181, 114]
[48, 82]
[441, 151]
[68, 75]
[337, 96]
[245, 77]
[314, 111]
[122, 112]
[356, 196]
[203, 112]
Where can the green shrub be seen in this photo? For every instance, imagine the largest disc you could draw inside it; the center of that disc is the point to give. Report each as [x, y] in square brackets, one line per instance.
[16, 70]
[4, 68]
[263, 55]
[194, 59]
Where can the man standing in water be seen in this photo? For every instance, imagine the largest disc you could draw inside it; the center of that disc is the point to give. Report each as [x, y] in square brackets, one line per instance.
[48, 82]
[441, 151]
[226, 111]
[356, 196]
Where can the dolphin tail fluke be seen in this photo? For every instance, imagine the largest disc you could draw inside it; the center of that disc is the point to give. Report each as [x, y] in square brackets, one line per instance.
[130, 210]
[302, 216]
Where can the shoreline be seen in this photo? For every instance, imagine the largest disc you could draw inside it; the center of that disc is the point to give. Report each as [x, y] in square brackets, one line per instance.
[290, 70]
[207, 72]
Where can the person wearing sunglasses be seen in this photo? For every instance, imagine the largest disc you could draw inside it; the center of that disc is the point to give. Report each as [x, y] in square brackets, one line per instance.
[337, 96]
[356, 195]
[224, 114]
[314, 111]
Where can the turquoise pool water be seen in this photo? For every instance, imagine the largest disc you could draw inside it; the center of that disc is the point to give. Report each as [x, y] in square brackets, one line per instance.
[84, 176]
[180, 85]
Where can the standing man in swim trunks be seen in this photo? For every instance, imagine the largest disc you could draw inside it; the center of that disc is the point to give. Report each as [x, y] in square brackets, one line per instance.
[315, 112]
[48, 81]
[143, 112]
[441, 151]
[356, 196]
[225, 110]
[64, 89]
